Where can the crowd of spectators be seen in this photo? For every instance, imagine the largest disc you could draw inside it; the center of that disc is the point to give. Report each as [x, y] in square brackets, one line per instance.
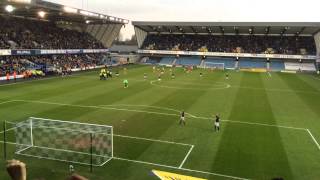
[19, 33]
[232, 43]
[19, 64]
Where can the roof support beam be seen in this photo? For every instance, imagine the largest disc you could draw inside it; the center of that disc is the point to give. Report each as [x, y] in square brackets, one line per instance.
[209, 30]
[166, 29]
[221, 29]
[143, 29]
[267, 30]
[284, 30]
[193, 30]
[180, 29]
[316, 32]
[154, 29]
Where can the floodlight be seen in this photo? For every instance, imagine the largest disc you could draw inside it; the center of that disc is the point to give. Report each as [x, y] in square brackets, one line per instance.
[9, 8]
[42, 14]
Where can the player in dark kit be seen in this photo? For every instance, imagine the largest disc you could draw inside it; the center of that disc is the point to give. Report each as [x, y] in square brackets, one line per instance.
[217, 123]
[182, 119]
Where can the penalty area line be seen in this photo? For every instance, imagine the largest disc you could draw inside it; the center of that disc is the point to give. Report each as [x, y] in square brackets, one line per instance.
[183, 169]
[152, 112]
[313, 138]
[186, 157]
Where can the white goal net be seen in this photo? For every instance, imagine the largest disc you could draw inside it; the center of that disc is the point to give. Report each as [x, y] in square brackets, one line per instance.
[211, 65]
[82, 143]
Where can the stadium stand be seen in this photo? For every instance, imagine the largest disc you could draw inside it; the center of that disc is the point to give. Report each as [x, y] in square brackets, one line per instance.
[253, 43]
[232, 44]
[56, 41]
[252, 63]
[304, 66]
[167, 61]
[151, 61]
[47, 63]
[30, 34]
[277, 65]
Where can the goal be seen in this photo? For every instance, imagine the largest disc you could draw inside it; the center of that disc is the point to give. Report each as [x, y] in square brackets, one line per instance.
[80, 143]
[211, 65]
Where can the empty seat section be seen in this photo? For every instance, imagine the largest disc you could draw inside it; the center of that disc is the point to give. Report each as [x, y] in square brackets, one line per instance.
[252, 63]
[188, 61]
[167, 61]
[277, 65]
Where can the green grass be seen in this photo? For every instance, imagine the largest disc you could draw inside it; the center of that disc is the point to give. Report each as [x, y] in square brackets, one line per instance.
[150, 109]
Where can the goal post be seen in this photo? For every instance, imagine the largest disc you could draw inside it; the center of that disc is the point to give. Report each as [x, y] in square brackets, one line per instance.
[79, 143]
[212, 65]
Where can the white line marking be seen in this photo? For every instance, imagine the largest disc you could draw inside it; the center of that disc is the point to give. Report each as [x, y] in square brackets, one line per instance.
[155, 107]
[314, 139]
[23, 149]
[154, 140]
[5, 102]
[135, 161]
[69, 122]
[262, 124]
[218, 87]
[184, 169]
[186, 157]
[7, 130]
[54, 159]
[150, 112]
[215, 174]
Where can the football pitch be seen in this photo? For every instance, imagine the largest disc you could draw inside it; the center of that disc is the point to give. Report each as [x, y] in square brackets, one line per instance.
[270, 123]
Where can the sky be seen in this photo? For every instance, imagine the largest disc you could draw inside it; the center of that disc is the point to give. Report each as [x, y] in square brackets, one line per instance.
[202, 10]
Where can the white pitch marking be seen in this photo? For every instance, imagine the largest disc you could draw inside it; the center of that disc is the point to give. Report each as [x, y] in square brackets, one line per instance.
[156, 107]
[154, 140]
[124, 136]
[5, 102]
[23, 149]
[314, 139]
[184, 169]
[186, 157]
[215, 174]
[150, 112]
[172, 87]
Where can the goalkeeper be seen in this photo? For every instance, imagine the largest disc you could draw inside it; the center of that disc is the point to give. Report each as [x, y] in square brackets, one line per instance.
[126, 83]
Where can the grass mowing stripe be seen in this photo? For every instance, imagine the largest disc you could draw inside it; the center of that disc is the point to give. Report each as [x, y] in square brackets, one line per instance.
[241, 146]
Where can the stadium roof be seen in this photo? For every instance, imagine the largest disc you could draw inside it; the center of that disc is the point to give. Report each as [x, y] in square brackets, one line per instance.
[275, 28]
[54, 12]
